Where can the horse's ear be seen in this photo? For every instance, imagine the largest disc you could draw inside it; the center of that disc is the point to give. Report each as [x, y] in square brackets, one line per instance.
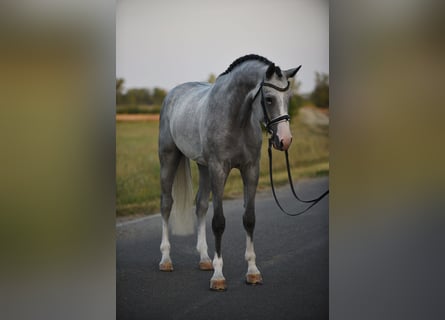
[270, 71]
[291, 72]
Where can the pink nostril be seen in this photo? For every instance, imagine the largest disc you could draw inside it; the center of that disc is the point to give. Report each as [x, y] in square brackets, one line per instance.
[285, 144]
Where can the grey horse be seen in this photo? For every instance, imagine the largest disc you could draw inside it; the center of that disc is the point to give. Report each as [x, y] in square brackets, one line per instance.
[219, 127]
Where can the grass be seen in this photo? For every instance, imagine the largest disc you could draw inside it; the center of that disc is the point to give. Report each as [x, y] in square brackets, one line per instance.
[137, 164]
[137, 167]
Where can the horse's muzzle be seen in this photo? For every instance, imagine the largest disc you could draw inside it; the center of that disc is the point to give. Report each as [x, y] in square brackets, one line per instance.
[282, 137]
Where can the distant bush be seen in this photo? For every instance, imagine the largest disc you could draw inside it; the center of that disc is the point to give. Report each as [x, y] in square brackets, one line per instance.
[136, 109]
[296, 100]
[138, 100]
[320, 95]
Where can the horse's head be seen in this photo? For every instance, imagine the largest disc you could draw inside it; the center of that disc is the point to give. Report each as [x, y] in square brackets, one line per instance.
[274, 93]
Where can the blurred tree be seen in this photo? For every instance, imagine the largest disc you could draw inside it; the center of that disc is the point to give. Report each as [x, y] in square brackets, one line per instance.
[138, 96]
[119, 85]
[212, 78]
[158, 95]
[296, 100]
[320, 95]
[119, 90]
[138, 100]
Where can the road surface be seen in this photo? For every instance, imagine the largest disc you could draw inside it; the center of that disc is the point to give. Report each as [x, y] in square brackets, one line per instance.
[292, 255]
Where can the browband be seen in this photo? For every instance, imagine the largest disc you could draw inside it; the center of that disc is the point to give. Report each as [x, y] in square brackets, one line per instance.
[275, 87]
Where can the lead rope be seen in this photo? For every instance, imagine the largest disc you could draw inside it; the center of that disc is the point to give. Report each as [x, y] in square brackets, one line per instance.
[313, 201]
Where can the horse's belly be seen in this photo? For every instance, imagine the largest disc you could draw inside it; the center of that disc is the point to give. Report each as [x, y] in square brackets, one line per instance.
[190, 150]
[187, 140]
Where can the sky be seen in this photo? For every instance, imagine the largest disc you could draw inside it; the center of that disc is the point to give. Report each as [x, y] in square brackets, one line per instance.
[163, 43]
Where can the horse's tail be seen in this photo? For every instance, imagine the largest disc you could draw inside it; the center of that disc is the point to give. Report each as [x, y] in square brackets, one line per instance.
[182, 216]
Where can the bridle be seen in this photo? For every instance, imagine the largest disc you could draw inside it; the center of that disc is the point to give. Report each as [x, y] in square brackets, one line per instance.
[267, 121]
[268, 124]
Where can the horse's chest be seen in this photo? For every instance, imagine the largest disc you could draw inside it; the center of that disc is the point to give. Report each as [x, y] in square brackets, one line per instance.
[232, 145]
[240, 154]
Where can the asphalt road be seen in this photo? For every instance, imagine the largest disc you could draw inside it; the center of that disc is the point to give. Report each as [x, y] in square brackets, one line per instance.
[292, 255]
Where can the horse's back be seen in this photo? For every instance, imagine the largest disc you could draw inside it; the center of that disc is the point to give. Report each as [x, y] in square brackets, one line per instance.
[184, 98]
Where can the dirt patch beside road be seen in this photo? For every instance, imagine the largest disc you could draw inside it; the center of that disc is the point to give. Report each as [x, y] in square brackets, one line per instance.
[314, 116]
[137, 117]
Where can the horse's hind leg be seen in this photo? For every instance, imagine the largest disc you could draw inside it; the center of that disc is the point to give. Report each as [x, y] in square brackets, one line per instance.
[202, 204]
[169, 157]
[250, 179]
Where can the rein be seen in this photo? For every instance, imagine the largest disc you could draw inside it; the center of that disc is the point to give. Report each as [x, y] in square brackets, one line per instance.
[312, 202]
[268, 124]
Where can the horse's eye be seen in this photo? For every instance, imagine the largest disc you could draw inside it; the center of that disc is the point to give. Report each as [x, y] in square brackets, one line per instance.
[268, 101]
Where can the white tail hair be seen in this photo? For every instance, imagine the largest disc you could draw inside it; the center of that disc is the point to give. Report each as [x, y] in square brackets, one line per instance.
[182, 217]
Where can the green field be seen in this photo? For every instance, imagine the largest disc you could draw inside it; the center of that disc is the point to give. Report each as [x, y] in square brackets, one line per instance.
[137, 164]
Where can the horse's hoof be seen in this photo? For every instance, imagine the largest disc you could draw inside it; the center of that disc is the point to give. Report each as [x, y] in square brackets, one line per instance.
[206, 265]
[166, 267]
[218, 285]
[254, 279]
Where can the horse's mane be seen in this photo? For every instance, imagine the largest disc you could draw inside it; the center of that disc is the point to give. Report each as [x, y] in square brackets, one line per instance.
[246, 58]
[250, 57]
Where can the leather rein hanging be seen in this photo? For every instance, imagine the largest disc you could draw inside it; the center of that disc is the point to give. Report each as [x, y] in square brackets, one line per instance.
[268, 123]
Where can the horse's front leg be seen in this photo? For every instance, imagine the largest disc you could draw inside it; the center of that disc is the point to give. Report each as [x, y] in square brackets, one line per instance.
[218, 176]
[202, 204]
[250, 176]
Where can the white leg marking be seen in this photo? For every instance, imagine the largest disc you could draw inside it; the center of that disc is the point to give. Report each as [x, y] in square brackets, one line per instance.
[217, 266]
[202, 241]
[250, 257]
[165, 244]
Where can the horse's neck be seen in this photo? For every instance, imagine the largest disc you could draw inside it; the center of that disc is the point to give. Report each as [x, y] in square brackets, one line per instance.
[239, 83]
[244, 85]
[246, 78]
